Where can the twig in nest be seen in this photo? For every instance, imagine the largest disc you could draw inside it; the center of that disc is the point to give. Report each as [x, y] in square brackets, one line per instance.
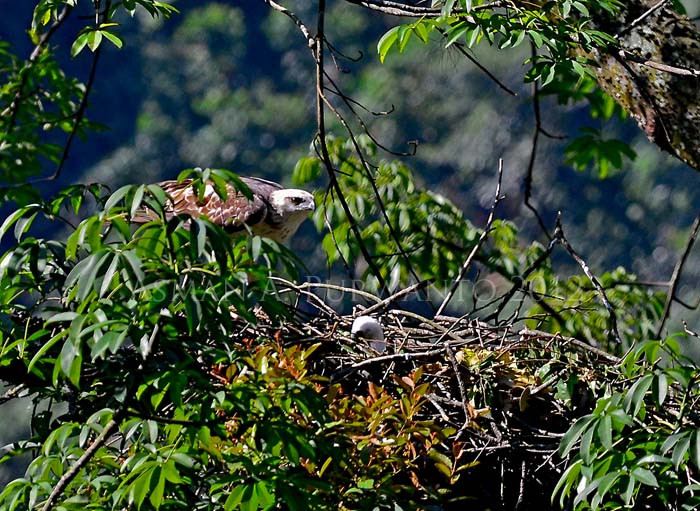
[396, 296]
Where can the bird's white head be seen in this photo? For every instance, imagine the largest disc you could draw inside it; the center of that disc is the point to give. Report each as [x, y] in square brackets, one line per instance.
[291, 202]
[369, 329]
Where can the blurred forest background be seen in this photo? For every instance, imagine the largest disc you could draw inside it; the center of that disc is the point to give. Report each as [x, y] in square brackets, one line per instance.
[230, 85]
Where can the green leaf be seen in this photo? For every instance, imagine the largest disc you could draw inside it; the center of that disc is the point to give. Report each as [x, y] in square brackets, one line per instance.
[581, 8]
[447, 7]
[109, 275]
[46, 347]
[94, 39]
[113, 38]
[137, 199]
[62, 316]
[70, 361]
[680, 451]
[387, 41]
[117, 196]
[156, 495]
[566, 482]
[140, 487]
[635, 395]
[605, 432]
[14, 217]
[660, 388]
[695, 447]
[572, 435]
[645, 476]
[235, 498]
[79, 44]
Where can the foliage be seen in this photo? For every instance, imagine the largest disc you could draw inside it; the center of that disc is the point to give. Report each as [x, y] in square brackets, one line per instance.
[147, 328]
[39, 100]
[639, 448]
[28, 118]
[563, 36]
[145, 332]
[414, 232]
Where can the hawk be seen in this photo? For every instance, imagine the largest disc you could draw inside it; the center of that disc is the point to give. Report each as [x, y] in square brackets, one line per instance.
[273, 212]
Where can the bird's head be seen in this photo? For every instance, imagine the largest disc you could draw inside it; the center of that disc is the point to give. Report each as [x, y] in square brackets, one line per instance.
[291, 202]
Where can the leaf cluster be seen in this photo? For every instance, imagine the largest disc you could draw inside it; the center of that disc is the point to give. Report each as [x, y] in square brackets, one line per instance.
[639, 447]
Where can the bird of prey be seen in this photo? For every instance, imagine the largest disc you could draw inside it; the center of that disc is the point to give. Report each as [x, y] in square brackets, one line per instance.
[367, 328]
[273, 212]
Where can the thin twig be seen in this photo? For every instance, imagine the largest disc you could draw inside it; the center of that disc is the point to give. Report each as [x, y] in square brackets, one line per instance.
[416, 11]
[674, 70]
[518, 280]
[521, 490]
[538, 334]
[533, 152]
[676, 276]
[297, 21]
[397, 296]
[641, 18]
[482, 238]
[325, 156]
[43, 41]
[460, 385]
[460, 47]
[594, 280]
[322, 285]
[368, 173]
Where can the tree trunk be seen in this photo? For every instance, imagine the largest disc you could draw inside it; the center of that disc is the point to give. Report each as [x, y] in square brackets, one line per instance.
[656, 77]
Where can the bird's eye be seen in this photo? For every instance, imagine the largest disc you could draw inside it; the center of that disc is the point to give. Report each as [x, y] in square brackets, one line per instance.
[296, 200]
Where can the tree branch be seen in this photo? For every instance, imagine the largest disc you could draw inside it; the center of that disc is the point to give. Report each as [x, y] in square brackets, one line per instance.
[487, 229]
[594, 280]
[675, 277]
[82, 461]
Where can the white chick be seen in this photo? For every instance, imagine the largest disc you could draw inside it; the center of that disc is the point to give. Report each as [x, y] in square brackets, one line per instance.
[370, 330]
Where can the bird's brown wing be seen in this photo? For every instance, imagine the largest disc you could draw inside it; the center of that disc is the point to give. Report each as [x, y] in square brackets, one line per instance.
[231, 213]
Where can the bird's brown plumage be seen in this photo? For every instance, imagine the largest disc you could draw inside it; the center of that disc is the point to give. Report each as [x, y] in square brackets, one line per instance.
[236, 213]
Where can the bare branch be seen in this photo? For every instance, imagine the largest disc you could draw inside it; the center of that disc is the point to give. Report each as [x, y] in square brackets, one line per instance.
[297, 21]
[487, 229]
[641, 18]
[517, 281]
[674, 70]
[676, 276]
[397, 296]
[527, 334]
[594, 280]
[321, 100]
[460, 47]
[533, 153]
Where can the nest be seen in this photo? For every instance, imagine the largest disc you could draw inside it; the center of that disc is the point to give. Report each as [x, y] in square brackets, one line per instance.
[506, 394]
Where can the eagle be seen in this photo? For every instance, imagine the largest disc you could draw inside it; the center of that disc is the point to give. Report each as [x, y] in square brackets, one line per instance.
[273, 211]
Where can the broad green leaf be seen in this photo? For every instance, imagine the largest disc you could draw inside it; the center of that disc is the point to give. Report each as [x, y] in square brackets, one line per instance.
[645, 476]
[94, 39]
[572, 435]
[79, 44]
[386, 42]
